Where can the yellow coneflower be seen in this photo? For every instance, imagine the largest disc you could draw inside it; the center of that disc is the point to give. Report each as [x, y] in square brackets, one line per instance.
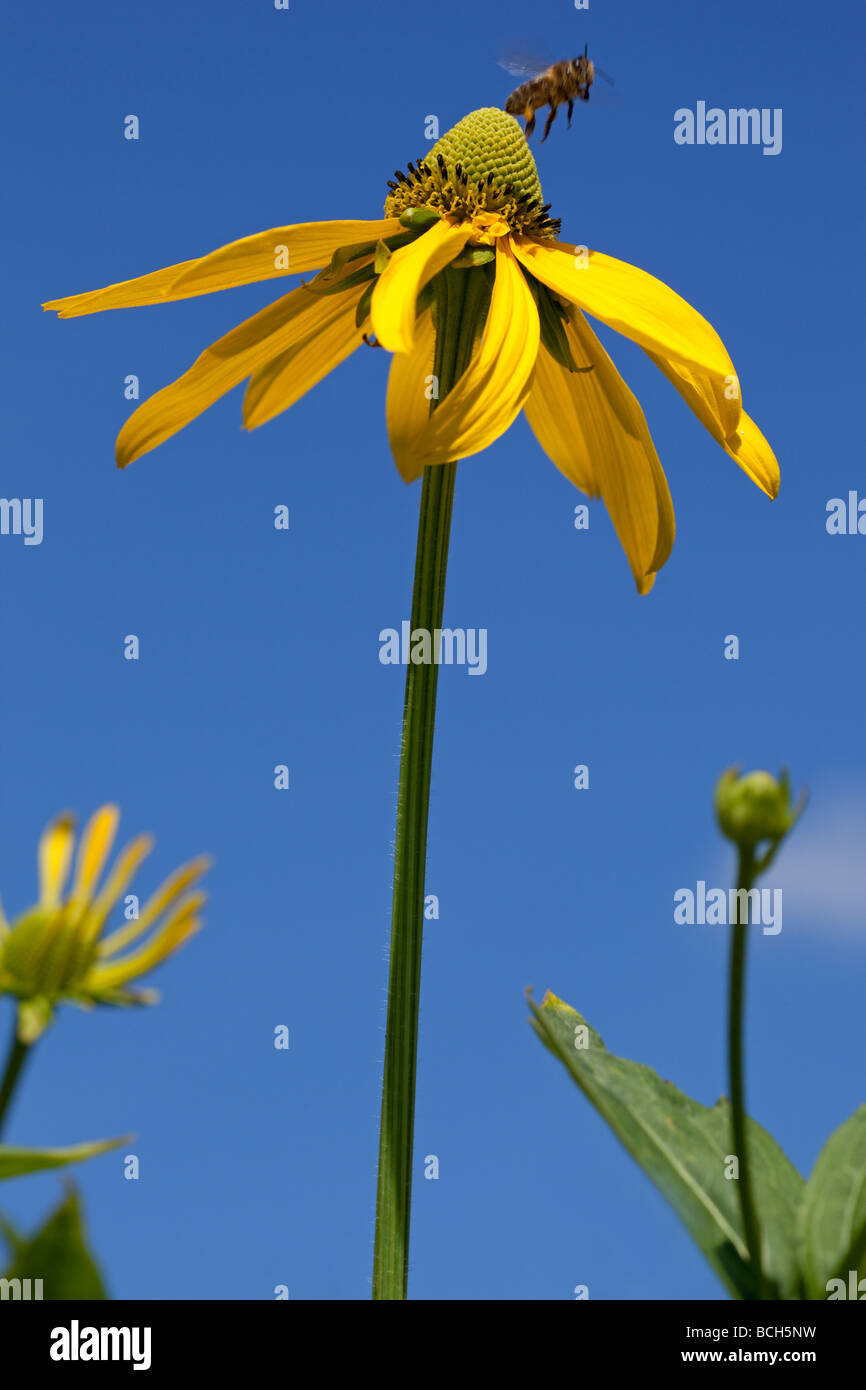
[474, 204]
[56, 952]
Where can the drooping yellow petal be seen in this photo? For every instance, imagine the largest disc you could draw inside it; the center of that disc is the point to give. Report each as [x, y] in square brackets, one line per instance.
[750, 450]
[128, 294]
[592, 427]
[635, 304]
[410, 386]
[487, 397]
[164, 896]
[276, 386]
[55, 856]
[182, 923]
[746, 445]
[407, 272]
[93, 850]
[555, 409]
[308, 246]
[280, 251]
[221, 367]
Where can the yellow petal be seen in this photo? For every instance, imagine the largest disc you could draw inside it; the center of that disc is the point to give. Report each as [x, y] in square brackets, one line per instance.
[407, 404]
[487, 397]
[122, 873]
[748, 448]
[635, 304]
[407, 272]
[276, 386]
[308, 246]
[555, 410]
[55, 856]
[219, 368]
[93, 850]
[128, 294]
[165, 895]
[745, 445]
[593, 429]
[183, 922]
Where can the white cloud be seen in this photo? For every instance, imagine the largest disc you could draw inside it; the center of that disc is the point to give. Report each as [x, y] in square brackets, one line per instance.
[822, 868]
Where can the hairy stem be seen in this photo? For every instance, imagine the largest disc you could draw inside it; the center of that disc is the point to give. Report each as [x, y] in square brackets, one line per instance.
[458, 295]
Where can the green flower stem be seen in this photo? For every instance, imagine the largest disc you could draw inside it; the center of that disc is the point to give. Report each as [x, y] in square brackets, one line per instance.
[748, 870]
[457, 297]
[18, 1054]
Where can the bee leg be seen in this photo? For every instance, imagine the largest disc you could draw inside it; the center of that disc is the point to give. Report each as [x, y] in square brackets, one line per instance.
[529, 117]
[551, 118]
[570, 109]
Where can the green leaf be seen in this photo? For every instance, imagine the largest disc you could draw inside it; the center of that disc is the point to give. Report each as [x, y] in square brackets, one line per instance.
[58, 1255]
[15, 1163]
[683, 1148]
[833, 1215]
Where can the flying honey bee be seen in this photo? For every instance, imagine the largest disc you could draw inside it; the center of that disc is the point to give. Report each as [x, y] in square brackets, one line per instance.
[568, 81]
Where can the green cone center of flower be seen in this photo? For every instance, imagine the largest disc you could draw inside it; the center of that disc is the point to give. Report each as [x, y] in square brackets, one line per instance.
[483, 164]
[491, 145]
[44, 954]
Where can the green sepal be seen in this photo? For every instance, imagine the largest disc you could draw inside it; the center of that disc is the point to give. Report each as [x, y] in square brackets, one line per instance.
[327, 283]
[349, 253]
[474, 255]
[552, 332]
[346, 254]
[460, 304]
[419, 219]
[381, 258]
[551, 318]
[364, 303]
[34, 1016]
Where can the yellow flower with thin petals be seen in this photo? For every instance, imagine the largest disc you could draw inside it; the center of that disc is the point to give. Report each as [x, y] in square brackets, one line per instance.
[474, 204]
[57, 952]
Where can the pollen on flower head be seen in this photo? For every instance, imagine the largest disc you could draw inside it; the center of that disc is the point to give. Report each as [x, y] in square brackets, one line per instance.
[482, 165]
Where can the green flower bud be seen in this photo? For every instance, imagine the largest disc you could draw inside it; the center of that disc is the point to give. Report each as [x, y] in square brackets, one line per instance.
[754, 807]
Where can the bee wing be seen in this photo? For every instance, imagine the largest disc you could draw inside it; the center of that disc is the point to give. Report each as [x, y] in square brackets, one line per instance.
[521, 60]
[606, 95]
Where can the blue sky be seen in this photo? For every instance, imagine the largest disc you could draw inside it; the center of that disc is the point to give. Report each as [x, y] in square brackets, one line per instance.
[261, 647]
